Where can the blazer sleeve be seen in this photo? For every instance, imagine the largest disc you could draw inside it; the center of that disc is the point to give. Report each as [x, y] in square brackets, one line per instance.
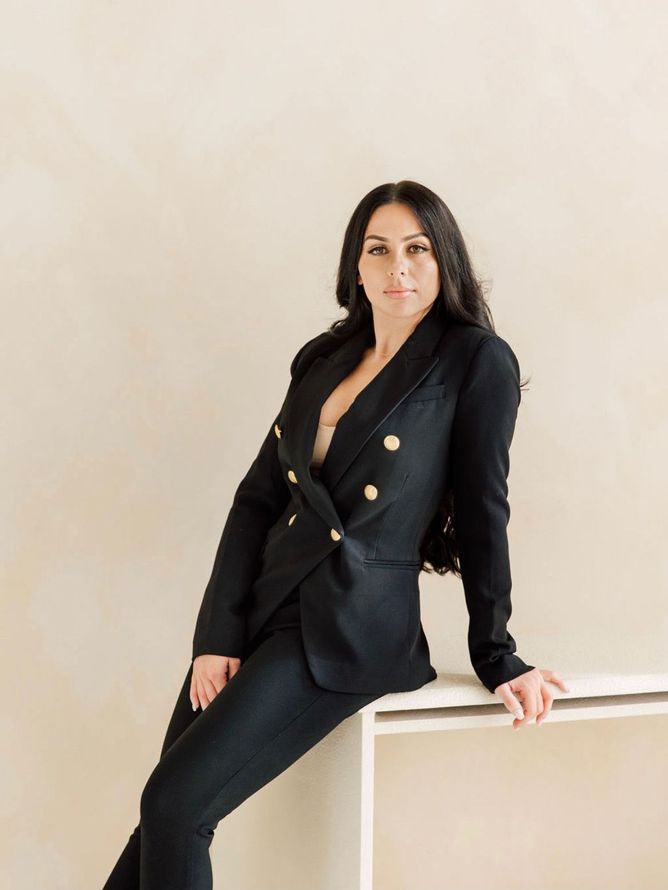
[260, 498]
[483, 429]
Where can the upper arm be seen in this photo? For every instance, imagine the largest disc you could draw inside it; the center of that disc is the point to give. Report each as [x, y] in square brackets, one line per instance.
[483, 427]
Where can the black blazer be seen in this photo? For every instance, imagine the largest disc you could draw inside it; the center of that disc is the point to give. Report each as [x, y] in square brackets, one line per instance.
[439, 416]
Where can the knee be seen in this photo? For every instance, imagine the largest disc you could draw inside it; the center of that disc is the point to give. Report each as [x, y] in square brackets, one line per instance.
[152, 800]
[161, 801]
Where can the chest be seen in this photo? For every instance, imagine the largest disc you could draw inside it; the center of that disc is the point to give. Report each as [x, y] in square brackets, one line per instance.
[345, 393]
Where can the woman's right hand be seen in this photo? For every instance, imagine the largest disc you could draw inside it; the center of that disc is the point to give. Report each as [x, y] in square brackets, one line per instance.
[210, 674]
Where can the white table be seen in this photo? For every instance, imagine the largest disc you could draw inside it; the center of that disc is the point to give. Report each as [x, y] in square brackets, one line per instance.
[312, 827]
[457, 702]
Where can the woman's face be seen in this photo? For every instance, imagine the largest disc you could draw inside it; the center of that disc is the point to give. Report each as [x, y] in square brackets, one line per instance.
[397, 254]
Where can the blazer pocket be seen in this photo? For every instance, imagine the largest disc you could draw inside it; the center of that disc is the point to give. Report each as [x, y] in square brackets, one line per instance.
[423, 393]
[392, 563]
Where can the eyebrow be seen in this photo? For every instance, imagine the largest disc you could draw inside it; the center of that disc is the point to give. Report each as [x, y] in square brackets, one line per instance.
[407, 238]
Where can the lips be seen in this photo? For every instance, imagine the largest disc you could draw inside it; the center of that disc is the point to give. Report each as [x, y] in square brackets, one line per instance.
[399, 290]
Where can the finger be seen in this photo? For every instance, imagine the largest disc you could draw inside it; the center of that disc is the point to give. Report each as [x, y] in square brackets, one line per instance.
[536, 703]
[507, 696]
[218, 681]
[528, 709]
[201, 694]
[548, 698]
[233, 666]
[519, 708]
[518, 722]
[555, 678]
[518, 700]
[193, 693]
[210, 689]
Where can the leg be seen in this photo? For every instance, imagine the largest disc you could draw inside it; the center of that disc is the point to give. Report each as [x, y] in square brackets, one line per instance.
[125, 874]
[266, 717]
[263, 720]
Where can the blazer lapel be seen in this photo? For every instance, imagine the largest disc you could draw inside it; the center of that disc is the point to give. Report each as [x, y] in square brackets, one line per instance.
[374, 403]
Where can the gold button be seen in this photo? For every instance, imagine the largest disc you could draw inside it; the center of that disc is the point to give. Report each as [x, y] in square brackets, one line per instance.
[391, 442]
[291, 476]
[370, 492]
[292, 519]
[335, 535]
[278, 430]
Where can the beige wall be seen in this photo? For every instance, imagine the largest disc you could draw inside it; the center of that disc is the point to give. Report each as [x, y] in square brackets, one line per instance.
[174, 187]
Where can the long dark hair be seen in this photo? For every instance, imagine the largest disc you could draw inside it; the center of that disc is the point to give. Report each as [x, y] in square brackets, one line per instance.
[461, 297]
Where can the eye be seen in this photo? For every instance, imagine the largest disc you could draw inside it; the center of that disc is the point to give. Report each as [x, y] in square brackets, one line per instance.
[422, 248]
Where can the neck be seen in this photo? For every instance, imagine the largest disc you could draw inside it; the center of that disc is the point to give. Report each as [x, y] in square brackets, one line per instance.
[390, 337]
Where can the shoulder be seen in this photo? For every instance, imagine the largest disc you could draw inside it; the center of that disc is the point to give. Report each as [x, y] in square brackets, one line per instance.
[317, 345]
[470, 347]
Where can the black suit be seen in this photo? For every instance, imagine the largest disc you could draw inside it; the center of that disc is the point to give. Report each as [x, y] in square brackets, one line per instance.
[440, 415]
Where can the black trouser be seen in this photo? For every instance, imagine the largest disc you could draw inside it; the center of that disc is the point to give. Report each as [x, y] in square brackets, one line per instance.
[263, 720]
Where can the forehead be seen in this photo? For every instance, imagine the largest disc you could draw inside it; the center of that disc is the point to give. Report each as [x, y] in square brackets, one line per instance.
[394, 222]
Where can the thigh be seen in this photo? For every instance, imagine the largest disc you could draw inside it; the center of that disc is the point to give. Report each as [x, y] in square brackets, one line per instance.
[264, 718]
[286, 616]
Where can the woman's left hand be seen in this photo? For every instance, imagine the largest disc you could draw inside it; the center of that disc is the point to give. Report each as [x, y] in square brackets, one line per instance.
[532, 689]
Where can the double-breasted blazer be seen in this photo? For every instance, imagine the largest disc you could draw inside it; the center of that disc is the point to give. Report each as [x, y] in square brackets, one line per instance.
[437, 419]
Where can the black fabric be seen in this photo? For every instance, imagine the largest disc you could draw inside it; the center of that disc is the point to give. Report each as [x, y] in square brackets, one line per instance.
[433, 426]
[266, 717]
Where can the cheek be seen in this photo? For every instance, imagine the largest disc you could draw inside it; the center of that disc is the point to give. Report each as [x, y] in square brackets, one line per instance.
[374, 276]
[365, 268]
[428, 269]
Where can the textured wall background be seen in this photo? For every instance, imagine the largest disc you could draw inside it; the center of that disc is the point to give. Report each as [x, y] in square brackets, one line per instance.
[174, 186]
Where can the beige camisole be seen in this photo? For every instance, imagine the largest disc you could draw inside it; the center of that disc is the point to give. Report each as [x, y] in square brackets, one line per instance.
[322, 439]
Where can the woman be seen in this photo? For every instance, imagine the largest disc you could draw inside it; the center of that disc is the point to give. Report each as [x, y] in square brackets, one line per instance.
[389, 456]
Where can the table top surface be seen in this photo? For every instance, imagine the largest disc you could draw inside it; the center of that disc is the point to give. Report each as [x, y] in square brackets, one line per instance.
[633, 665]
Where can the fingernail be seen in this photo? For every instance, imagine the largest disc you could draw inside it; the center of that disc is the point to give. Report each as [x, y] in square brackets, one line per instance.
[194, 707]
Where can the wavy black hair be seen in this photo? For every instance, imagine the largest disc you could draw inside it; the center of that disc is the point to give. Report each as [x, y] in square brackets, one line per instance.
[461, 297]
